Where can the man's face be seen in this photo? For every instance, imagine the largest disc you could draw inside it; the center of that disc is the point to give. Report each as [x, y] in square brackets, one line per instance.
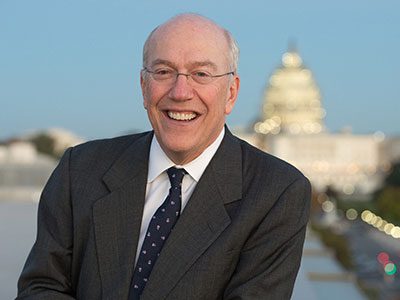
[187, 116]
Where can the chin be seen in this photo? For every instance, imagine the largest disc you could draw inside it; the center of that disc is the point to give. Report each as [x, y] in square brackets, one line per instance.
[179, 147]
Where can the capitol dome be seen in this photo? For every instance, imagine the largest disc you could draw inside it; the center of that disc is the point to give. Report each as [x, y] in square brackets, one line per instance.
[292, 100]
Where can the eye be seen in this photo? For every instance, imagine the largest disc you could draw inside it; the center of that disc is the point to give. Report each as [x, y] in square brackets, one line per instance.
[202, 74]
[163, 72]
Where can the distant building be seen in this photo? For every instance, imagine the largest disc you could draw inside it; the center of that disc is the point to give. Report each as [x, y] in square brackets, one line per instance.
[291, 126]
[63, 139]
[23, 171]
[390, 150]
[18, 152]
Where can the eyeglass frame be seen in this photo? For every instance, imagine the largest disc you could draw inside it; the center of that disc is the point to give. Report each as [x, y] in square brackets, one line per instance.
[145, 69]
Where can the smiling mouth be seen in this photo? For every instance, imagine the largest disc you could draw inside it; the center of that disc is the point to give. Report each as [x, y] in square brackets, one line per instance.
[179, 116]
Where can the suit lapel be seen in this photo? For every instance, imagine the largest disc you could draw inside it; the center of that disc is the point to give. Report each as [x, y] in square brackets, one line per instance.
[117, 218]
[202, 221]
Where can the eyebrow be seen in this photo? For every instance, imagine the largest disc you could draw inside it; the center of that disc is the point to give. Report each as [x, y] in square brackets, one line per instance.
[162, 62]
[205, 63]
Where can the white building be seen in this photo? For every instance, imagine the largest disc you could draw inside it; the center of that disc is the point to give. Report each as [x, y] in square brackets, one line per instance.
[23, 171]
[291, 126]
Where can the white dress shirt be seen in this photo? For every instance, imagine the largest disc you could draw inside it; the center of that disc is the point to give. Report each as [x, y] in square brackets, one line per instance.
[158, 183]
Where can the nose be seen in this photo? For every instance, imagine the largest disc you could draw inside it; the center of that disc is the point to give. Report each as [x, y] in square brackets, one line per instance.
[181, 90]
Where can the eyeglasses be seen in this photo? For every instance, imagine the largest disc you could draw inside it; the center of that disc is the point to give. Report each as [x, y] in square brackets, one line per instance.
[169, 76]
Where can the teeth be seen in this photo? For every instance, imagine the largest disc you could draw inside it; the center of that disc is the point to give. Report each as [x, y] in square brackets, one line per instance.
[181, 116]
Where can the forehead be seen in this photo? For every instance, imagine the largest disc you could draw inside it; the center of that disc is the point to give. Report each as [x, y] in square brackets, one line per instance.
[188, 42]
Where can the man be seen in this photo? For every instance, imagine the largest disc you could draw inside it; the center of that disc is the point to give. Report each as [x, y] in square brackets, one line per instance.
[236, 216]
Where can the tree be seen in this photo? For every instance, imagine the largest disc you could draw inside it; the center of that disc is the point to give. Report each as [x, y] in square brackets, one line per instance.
[44, 144]
[388, 203]
[388, 198]
[393, 179]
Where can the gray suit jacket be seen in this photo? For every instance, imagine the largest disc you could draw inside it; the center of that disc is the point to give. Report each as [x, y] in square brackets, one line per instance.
[239, 237]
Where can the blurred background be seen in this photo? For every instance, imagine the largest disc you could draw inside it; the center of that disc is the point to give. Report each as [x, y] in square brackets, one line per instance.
[319, 88]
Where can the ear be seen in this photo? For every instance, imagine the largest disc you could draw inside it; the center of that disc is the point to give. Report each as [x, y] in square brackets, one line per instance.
[143, 87]
[232, 94]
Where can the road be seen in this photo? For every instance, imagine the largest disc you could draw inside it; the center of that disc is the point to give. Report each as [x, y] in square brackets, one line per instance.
[366, 242]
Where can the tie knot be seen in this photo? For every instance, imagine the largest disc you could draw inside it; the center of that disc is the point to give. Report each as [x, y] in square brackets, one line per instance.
[175, 176]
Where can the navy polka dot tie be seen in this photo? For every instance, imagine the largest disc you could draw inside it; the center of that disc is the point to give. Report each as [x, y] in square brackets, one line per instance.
[157, 233]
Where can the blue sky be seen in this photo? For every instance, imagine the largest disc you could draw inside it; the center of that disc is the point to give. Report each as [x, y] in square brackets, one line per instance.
[75, 64]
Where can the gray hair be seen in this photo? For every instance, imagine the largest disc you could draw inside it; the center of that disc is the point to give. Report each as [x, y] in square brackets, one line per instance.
[232, 44]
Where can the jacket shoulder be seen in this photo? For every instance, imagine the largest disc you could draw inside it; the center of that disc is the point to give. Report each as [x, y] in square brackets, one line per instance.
[102, 151]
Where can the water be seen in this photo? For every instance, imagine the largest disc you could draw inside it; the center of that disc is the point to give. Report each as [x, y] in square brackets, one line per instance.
[17, 234]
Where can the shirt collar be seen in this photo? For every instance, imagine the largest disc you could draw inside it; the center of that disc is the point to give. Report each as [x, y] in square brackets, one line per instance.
[159, 161]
